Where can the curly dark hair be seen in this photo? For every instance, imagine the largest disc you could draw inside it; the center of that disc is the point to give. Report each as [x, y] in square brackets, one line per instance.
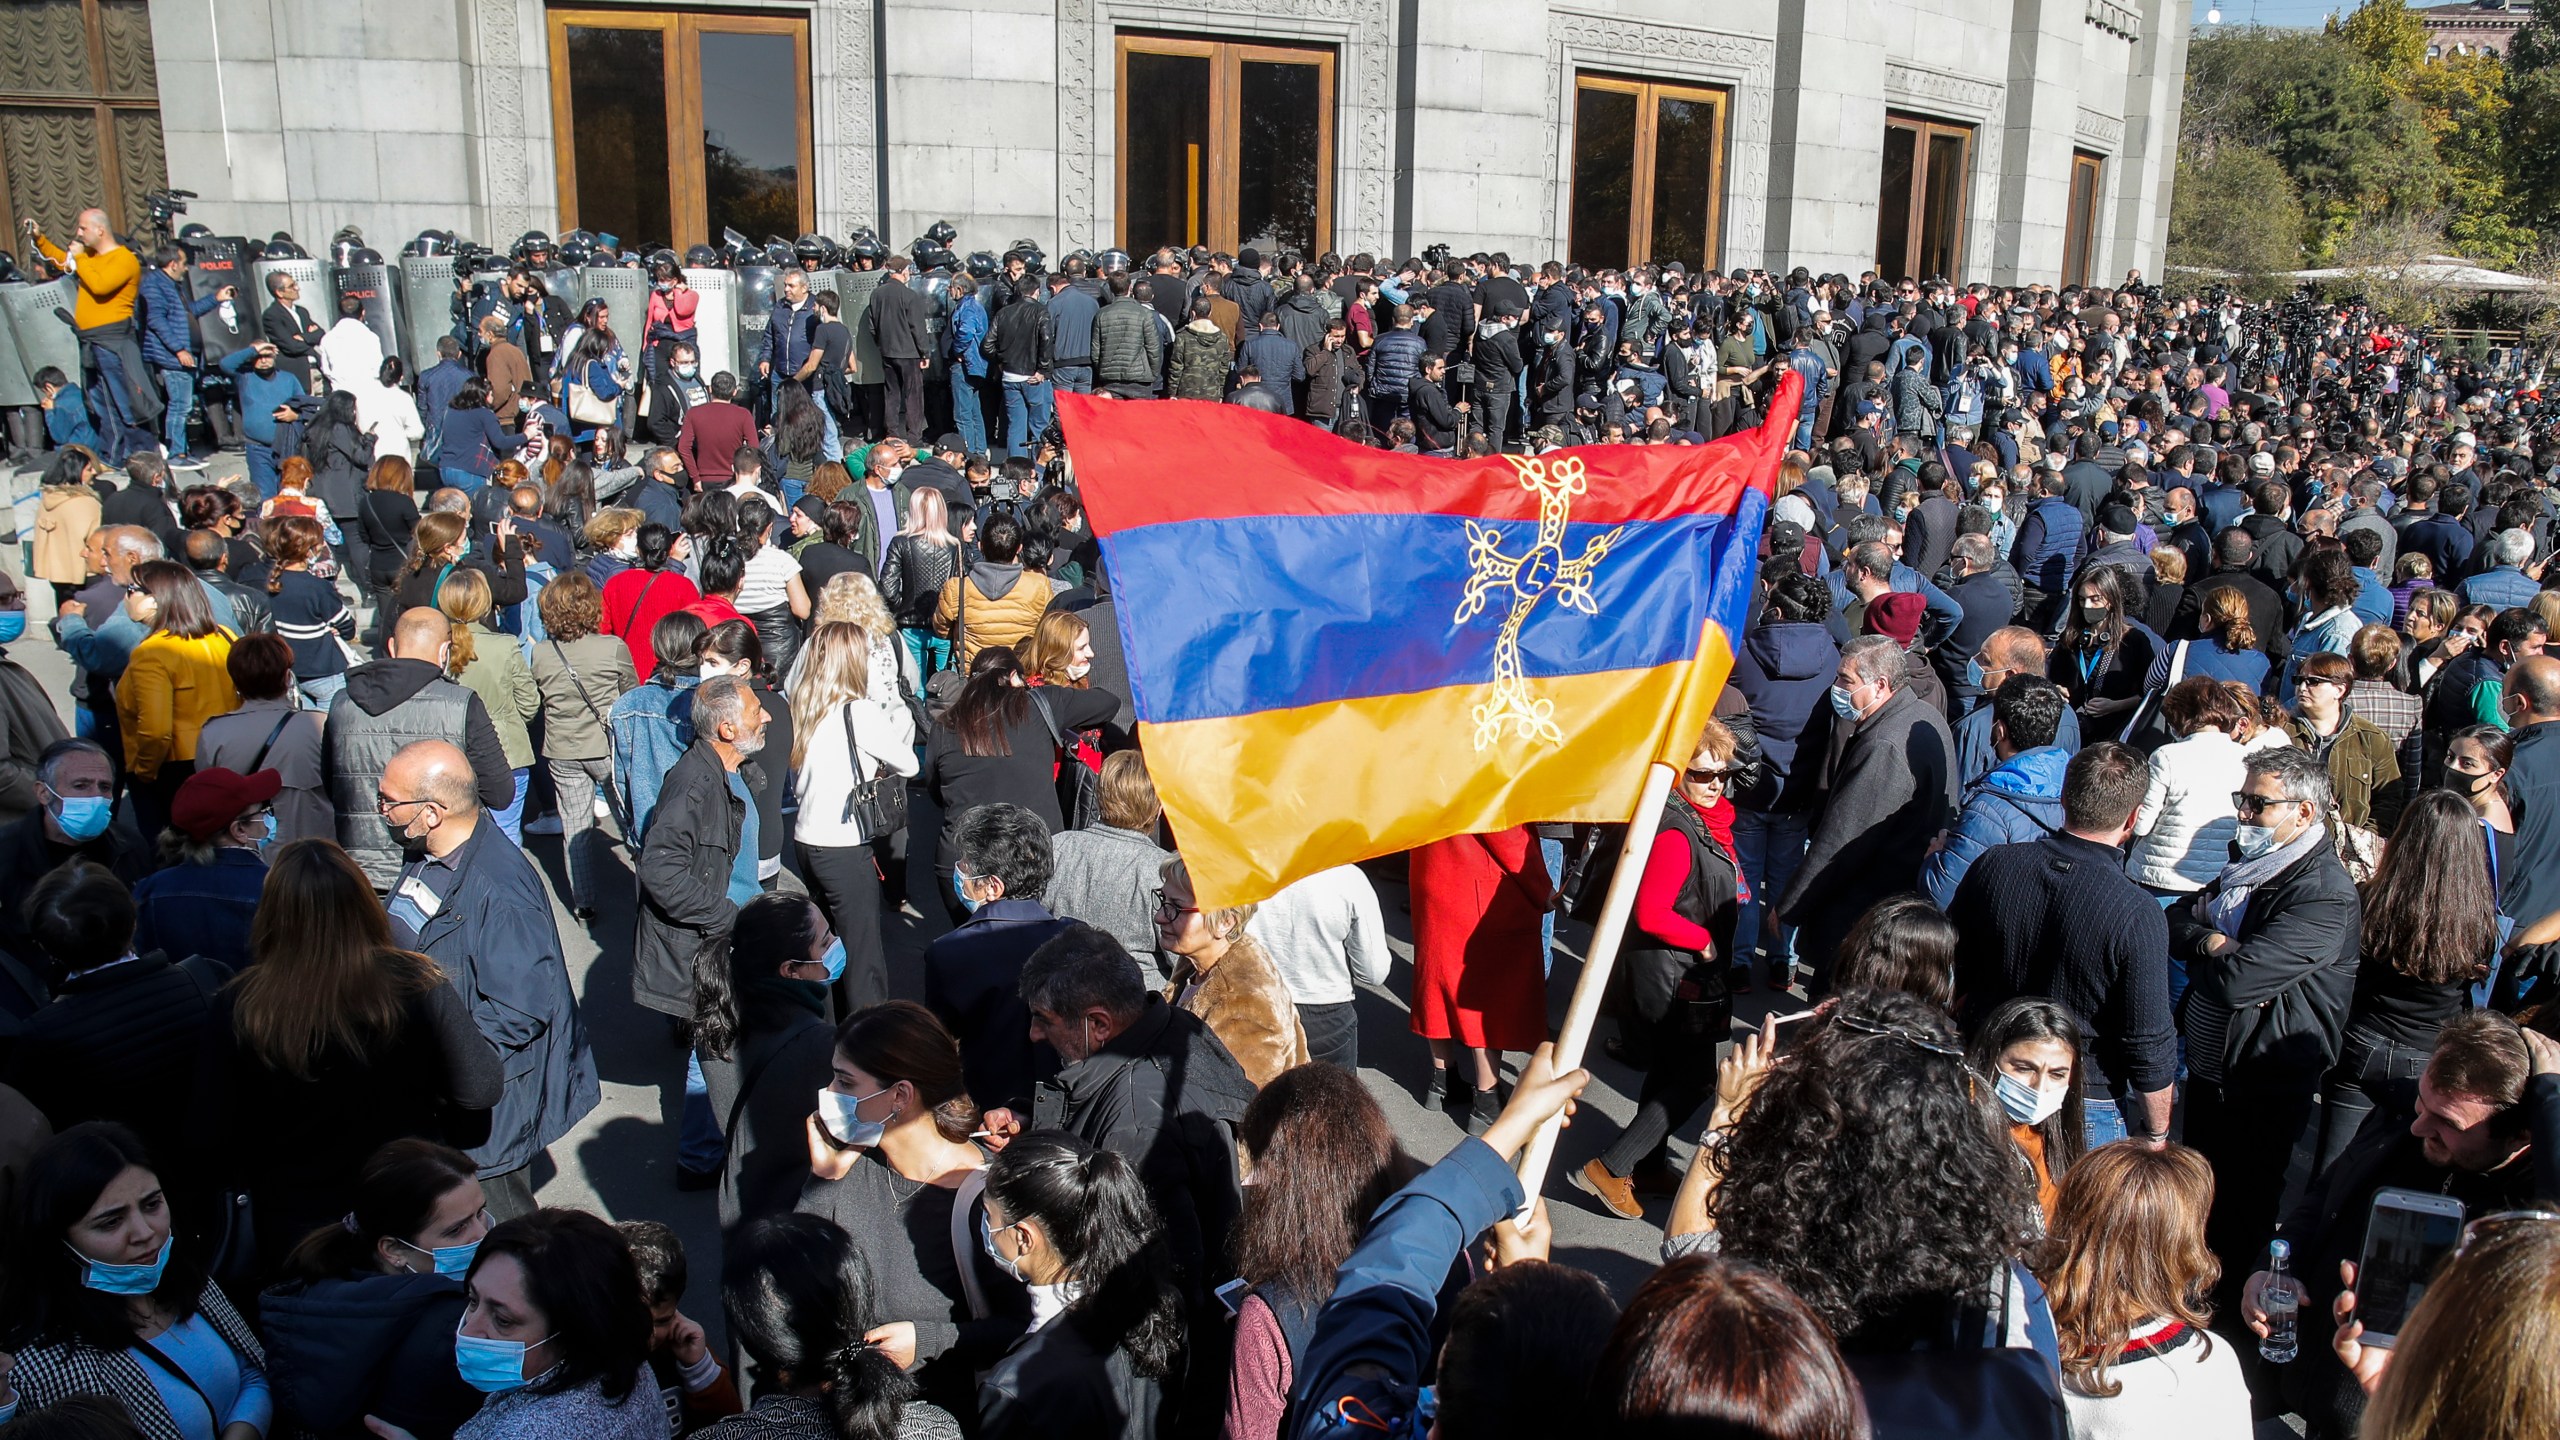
[1872, 1175]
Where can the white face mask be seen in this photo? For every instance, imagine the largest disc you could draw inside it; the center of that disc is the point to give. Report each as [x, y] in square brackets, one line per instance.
[628, 548]
[2028, 1104]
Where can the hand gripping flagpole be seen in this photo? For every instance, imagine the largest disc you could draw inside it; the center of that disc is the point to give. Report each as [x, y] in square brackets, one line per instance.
[1584, 1011]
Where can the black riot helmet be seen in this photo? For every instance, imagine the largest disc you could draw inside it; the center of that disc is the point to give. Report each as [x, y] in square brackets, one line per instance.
[701, 257]
[532, 248]
[282, 247]
[1028, 252]
[941, 232]
[1115, 261]
[814, 252]
[982, 266]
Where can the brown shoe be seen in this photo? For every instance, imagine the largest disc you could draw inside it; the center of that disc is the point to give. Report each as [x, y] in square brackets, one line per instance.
[1655, 1178]
[1619, 1195]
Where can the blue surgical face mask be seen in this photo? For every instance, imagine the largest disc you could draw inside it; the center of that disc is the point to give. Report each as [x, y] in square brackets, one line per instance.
[13, 623]
[451, 1260]
[960, 887]
[836, 1112]
[270, 837]
[492, 1367]
[834, 960]
[84, 817]
[139, 1279]
[987, 1238]
[1842, 705]
[2254, 840]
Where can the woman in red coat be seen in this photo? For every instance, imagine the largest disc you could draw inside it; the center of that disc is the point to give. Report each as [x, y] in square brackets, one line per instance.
[1477, 977]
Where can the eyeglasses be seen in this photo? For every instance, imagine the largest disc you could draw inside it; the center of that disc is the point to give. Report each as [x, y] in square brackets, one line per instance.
[2248, 804]
[1166, 907]
[385, 804]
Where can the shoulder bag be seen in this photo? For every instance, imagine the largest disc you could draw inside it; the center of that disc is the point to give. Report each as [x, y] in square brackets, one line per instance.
[1079, 772]
[612, 793]
[878, 804]
[944, 686]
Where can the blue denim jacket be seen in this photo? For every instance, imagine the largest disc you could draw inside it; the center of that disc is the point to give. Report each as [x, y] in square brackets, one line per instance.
[201, 909]
[652, 728]
[1373, 1338]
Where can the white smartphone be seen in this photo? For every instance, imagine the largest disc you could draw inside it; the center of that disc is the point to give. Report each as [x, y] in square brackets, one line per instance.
[1232, 1294]
[2407, 1236]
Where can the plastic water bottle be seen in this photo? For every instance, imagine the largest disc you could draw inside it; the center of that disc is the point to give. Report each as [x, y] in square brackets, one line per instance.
[2281, 1306]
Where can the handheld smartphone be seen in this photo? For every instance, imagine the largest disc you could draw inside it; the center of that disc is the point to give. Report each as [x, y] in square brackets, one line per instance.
[2408, 1235]
[1232, 1294]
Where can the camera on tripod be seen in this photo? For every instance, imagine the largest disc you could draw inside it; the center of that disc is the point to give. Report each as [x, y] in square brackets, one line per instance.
[165, 207]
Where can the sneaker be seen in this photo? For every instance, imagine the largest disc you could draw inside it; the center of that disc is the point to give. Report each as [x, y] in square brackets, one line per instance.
[1618, 1195]
[187, 462]
[544, 825]
[602, 810]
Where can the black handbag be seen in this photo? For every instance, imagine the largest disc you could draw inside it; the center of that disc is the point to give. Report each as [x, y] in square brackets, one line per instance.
[879, 803]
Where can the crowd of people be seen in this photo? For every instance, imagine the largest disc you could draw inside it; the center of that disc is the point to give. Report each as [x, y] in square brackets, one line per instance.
[2138, 761]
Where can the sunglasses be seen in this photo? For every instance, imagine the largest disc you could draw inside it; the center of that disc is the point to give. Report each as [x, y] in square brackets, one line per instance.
[2488, 1225]
[2248, 804]
[1715, 775]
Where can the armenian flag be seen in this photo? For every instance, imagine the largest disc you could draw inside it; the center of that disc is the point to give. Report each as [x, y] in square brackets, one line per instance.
[1337, 652]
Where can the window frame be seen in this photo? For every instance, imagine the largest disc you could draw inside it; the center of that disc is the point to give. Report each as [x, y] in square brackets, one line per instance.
[687, 189]
[1926, 128]
[1222, 176]
[105, 109]
[1648, 96]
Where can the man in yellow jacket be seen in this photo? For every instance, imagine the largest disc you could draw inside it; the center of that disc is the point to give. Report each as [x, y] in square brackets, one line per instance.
[109, 278]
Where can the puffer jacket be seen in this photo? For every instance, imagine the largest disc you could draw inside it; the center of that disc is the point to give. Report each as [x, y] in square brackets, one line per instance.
[1004, 605]
[1124, 344]
[344, 1348]
[1785, 672]
[1198, 367]
[2020, 800]
[1394, 361]
[2182, 833]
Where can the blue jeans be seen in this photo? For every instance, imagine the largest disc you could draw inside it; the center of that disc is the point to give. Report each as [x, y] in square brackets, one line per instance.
[461, 479]
[180, 387]
[2102, 1122]
[1552, 851]
[320, 690]
[262, 468]
[1078, 378]
[511, 819]
[700, 1147]
[930, 652]
[1026, 414]
[968, 412]
[1770, 844]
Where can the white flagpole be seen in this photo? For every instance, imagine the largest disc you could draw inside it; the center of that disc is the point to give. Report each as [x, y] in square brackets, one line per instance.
[1584, 1011]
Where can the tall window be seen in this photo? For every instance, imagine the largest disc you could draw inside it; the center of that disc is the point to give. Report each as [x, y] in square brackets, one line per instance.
[1920, 212]
[1648, 173]
[2080, 229]
[675, 127]
[79, 113]
[1225, 145]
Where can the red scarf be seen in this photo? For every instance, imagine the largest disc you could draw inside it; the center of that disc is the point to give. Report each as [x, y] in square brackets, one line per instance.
[1718, 819]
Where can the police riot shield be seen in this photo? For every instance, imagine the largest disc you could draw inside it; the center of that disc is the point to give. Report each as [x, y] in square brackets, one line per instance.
[715, 319]
[568, 287]
[378, 286]
[426, 302]
[214, 265]
[625, 293]
[757, 287]
[306, 273]
[937, 310]
[828, 280]
[858, 285]
[15, 387]
[41, 317]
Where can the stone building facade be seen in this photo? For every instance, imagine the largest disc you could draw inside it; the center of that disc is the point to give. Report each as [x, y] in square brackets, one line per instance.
[2032, 141]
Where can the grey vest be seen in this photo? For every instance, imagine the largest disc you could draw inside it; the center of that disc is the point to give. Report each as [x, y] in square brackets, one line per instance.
[361, 746]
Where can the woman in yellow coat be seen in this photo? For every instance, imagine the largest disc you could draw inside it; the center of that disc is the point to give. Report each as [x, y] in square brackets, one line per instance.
[179, 677]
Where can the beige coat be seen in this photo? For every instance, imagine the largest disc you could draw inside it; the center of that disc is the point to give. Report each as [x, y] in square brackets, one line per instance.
[1003, 621]
[64, 518]
[1246, 1004]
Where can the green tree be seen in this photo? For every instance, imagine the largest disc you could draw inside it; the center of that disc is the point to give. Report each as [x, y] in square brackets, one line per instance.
[2350, 144]
[2391, 39]
[2235, 212]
